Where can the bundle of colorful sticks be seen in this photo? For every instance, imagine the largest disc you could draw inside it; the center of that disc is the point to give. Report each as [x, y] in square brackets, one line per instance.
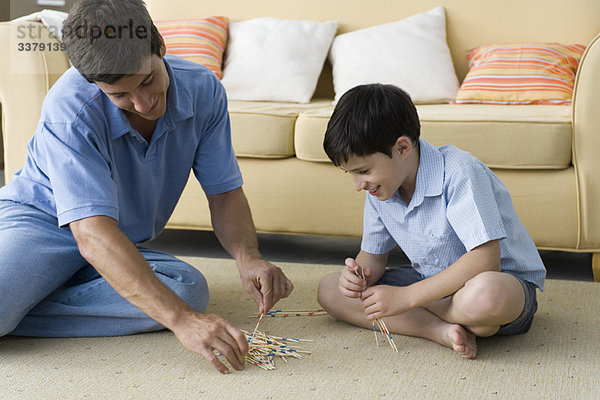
[379, 322]
[264, 348]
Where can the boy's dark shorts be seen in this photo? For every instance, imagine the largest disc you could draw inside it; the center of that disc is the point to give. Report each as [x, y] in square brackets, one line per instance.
[407, 275]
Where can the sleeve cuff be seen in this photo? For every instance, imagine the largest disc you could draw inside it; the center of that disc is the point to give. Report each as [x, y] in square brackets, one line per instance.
[66, 217]
[377, 249]
[223, 187]
[484, 238]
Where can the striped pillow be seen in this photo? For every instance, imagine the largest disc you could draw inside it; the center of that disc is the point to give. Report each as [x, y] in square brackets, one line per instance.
[199, 40]
[520, 73]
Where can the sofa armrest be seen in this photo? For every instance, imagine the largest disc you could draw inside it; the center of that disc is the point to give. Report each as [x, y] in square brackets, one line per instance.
[586, 144]
[25, 78]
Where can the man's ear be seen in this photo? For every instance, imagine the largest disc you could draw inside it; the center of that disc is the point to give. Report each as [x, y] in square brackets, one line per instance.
[163, 47]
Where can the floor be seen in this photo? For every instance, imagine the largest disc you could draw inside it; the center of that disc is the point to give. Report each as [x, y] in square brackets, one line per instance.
[334, 250]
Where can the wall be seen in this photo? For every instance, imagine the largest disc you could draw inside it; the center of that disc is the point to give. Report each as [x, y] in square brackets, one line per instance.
[4, 10]
[11, 9]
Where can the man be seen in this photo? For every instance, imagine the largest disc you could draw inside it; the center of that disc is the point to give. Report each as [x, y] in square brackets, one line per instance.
[118, 135]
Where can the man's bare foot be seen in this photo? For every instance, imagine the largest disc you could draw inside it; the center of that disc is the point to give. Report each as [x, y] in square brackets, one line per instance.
[462, 341]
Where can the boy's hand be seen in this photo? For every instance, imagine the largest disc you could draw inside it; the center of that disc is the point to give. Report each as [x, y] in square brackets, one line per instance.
[351, 282]
[384, 301]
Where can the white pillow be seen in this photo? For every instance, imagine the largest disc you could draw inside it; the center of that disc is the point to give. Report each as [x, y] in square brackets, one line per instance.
[273, 59]
[412, 54]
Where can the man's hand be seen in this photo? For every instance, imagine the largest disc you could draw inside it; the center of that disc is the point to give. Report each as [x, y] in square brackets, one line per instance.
[384, 301]
[115, 257]
[233, 225]
[205, 333]
[351, 283]
[265, 282]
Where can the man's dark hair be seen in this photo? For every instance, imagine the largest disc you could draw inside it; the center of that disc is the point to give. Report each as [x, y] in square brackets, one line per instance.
[369, 119]
[109, 39]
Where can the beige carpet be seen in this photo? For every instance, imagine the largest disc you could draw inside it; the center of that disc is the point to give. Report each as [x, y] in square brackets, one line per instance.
[557, 359]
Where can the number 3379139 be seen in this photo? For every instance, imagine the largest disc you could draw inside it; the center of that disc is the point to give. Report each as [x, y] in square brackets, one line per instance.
[40, 46]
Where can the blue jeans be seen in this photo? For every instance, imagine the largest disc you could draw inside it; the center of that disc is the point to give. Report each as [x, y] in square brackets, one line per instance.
[48, 289]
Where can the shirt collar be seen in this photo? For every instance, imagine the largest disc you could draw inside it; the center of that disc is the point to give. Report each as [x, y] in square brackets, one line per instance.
[179, 107]
[430, 174]
[179, 99]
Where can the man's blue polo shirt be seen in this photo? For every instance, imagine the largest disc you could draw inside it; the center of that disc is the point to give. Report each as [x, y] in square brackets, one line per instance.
[85, 159]
[458, 204]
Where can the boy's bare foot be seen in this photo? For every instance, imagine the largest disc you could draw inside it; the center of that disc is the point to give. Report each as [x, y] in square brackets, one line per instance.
[462, 341]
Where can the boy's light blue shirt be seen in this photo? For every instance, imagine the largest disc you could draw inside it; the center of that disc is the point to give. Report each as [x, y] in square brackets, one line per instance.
[85, 159]
[458, 204]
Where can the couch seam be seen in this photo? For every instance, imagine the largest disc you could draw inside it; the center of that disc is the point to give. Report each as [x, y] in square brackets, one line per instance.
[573, 141]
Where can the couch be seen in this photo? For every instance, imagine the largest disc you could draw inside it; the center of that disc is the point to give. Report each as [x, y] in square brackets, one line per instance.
[548, 156]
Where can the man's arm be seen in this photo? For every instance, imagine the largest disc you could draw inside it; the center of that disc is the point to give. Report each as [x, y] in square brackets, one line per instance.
[115, 257]
[232, 223]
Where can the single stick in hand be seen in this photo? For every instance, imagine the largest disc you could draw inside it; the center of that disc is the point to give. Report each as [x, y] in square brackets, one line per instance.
[256, 328]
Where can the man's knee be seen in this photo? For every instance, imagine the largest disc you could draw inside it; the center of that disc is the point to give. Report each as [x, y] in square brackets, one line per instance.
[187, 282]
[196, 293]
[5, 330]
[8, 322]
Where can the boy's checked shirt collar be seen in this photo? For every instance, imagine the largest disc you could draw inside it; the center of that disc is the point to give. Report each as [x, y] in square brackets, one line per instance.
[430, 175]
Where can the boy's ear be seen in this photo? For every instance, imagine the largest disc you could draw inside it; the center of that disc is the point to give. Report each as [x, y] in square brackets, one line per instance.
[403, 145]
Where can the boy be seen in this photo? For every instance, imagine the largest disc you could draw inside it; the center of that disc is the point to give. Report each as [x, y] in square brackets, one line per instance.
[118, 136]
[474, 268]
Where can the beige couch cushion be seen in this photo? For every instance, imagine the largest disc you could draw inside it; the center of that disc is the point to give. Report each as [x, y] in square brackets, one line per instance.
[516, 137]
[261, 129]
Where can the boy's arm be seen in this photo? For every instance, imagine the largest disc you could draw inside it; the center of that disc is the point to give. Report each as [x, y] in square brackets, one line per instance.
[372, 265]
[384, 300]
[485, 257]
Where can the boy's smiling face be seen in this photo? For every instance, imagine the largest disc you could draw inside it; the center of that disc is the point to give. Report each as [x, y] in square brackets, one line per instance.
[381, 175]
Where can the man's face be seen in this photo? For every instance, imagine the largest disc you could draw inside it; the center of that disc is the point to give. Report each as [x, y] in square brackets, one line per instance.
[143, 94]
[381, 175]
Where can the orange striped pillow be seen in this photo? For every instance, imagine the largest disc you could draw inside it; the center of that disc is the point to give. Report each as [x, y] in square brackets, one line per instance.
[199, 40]
[520, 73]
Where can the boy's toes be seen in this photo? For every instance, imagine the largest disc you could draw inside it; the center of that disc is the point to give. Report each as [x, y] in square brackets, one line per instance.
[463, 342]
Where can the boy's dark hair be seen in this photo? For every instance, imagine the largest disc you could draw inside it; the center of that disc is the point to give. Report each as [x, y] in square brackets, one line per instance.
[368, 119]
[109, 39]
